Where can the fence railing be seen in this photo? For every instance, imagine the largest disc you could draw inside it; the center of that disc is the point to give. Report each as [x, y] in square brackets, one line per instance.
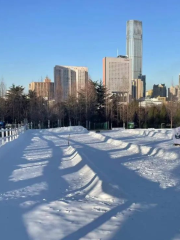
[9, 134]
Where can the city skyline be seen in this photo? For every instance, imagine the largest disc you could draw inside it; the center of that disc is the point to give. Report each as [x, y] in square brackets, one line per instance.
[31, 45]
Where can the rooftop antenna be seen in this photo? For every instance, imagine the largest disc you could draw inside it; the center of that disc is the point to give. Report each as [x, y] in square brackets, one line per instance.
[117, 52]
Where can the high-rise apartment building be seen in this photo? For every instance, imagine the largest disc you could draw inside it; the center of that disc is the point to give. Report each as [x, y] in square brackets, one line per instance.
[117, 76]
[81, 76]
[134, 46]
[43, 89]
[159, 90]
[68, 80]
[137, 89]
[143, 78]
[173, 93]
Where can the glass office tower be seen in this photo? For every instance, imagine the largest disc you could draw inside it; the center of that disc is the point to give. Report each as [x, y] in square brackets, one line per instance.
[134, 46]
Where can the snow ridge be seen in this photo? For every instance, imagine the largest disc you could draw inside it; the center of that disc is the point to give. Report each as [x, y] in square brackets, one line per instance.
[159, 152]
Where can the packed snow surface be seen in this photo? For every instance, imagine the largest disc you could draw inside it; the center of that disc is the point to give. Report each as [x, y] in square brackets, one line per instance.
[119, 184]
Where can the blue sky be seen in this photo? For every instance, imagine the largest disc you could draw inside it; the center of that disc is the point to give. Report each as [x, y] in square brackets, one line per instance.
[36, 35]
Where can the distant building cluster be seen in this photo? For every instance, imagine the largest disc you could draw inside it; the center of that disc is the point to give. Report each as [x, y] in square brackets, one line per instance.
[174, 93]
[159, 90]
[68, 80]
[122, 76]
[137, 89]
[160, 94]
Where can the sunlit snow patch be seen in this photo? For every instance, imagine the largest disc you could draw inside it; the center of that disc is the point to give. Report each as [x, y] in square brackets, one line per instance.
[28, 171]
[156, 170]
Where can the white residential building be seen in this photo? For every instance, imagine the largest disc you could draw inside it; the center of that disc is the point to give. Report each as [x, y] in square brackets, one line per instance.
[69, 80]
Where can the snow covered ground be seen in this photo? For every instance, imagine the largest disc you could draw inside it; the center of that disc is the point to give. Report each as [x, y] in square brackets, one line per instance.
[120, 184]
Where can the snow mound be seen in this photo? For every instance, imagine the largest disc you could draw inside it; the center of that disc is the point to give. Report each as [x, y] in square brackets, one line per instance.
[156, 164]
[84, 182]
[156, 133]
[70, 129]
[136, 148]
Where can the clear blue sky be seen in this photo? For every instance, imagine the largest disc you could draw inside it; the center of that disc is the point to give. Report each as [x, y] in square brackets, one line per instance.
[36, 35]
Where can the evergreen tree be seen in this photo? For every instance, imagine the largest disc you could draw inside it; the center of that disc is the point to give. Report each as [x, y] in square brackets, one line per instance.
[101, 105]
[16, 102]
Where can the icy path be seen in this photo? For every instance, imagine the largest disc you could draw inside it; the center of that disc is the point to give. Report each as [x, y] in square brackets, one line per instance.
[94, 189]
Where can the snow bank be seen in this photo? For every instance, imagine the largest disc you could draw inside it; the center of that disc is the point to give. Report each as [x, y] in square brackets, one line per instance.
[83, 177]
[82, 203]
[157, 133]
[54, 191]
[156, 164]
[136, 148]
[70, 129]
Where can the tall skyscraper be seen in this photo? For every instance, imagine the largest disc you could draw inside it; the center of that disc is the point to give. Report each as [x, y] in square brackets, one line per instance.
[117, 76]
[134, 46]
[69, 80]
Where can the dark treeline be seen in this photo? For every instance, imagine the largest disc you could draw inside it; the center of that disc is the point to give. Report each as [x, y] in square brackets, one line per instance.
[91, 108]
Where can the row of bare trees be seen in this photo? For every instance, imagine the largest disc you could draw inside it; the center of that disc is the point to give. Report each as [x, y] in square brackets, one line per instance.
[89, 108]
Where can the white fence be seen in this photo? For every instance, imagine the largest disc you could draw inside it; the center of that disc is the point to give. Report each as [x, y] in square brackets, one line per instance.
[9, 134]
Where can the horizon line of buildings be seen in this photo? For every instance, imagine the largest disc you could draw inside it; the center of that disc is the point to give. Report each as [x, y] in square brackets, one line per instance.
[122, 75]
